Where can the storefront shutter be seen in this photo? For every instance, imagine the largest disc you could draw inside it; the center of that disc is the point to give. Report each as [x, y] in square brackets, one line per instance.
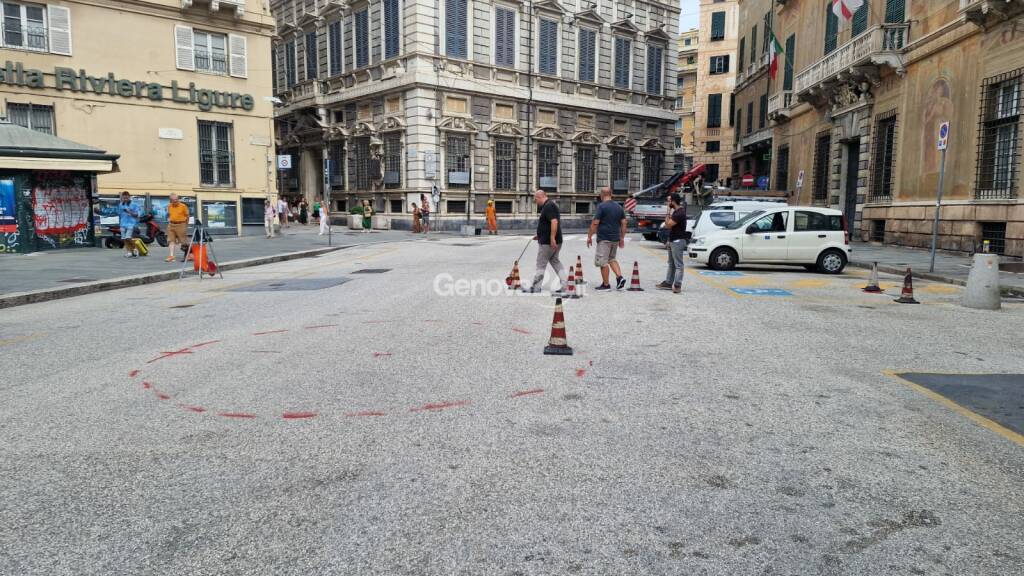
[60, 29]
[184, 51]
[238, 59]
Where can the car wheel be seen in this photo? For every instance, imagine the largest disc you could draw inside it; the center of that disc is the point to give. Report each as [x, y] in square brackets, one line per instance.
[161, 239]
[723, 259]
[651, 236]
[831, 261]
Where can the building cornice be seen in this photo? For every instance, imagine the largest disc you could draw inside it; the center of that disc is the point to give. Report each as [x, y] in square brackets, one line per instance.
[251, 22]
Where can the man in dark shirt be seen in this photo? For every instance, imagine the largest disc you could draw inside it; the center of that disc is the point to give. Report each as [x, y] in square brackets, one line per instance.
[549, 243]
[610, 225]
[677, 241]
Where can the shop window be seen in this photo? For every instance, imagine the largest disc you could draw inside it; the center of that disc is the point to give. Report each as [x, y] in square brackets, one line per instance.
[32, 116]
[216, 159]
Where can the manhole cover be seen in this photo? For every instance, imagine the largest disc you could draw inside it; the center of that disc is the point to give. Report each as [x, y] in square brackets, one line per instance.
[372, 271]
[298, 284]
[75, 280]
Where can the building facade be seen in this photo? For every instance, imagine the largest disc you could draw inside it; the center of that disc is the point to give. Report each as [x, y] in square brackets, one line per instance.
[857, 121]
[389, 99]
[752, 132]
[716, 81]
[179, 90]
[686, 96]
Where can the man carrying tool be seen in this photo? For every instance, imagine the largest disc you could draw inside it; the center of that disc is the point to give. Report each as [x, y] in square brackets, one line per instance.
[549, 243]
[610, 225]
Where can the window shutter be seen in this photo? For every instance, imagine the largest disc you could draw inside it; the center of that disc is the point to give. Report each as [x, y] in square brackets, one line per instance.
[391, 29]
[654, 57]
[718, 25]
[588, 39]
[831, 29]
[548, 46]
[455, 28]
[334, 39]
[742, 53]
[60, 29]
[895, 11]
[237, 50]
[184, 52]
[725, 63]
[787, 76]
[622, 49]
[860, 19]
[362, 38]
[504, 29]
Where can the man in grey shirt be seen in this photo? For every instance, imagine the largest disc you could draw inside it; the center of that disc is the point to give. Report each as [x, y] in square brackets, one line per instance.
[610, 225]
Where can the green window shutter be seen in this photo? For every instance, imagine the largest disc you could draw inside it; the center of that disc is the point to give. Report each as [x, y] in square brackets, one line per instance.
[714, 110]
[718, 26]
[787, 75]
[753, 45]
[831, 28]
[860, 19]
[895, 11]
[742, 53]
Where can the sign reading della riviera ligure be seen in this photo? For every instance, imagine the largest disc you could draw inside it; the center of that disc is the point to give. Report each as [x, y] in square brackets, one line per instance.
[15, 74]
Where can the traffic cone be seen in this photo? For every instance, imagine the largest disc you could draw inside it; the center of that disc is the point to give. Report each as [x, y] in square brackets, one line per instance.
[557, 345]
[907, 295]
[634, 284]
[579, 270]
[512, 280]
[570, 286]
[873, 286]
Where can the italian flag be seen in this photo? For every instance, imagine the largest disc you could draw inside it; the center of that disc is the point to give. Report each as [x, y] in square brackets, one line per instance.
[774, 49]
[846, 8]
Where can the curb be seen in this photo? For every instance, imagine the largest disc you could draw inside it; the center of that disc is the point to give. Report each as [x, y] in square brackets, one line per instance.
[1011, 291]
[45, 295]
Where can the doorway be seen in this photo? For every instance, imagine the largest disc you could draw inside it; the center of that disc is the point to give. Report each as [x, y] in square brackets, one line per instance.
[850, 182]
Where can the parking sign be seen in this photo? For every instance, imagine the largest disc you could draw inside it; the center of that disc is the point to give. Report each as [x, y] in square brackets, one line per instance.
[943, 136]
[284, 161]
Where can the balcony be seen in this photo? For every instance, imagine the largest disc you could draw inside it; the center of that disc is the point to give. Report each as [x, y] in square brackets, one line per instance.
[755, 138]
[238, 6]
[987, 12]
[779, 105]
[861, 58]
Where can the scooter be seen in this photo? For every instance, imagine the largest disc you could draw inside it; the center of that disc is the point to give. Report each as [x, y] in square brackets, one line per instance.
[153, 232]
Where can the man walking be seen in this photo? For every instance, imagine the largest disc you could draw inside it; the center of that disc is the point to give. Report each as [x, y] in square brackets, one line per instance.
[177, 225]
[610, 225]
[127, 217]
[549, 243]
[282, 211]
[268, 218]
[677, 241]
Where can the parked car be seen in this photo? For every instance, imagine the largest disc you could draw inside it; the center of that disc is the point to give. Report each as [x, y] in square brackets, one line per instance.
[816, 238]
[721, 214]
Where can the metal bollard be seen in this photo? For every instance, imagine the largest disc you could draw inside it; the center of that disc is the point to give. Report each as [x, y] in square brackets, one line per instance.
[983, 283]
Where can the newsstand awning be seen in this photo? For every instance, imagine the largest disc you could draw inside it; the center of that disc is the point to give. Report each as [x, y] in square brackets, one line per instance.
[24, 149]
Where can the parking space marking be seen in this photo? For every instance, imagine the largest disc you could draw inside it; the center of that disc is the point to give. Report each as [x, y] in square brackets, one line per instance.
[762, 291]
[970, 414]
[730, 273]
[809, 283]
[24, 338]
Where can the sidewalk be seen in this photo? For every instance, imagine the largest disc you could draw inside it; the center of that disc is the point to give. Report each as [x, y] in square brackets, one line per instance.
[76, 267]
[949, 267]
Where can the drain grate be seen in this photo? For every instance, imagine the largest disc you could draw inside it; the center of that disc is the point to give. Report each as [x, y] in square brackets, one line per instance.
[298, 284]
[372, 271]
[76, 280]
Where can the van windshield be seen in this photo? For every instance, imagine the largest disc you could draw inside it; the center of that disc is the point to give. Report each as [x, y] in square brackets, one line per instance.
[743, 221]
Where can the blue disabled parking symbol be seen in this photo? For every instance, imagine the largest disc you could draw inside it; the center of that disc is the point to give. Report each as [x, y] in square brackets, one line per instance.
[761, 292]
[720, 273]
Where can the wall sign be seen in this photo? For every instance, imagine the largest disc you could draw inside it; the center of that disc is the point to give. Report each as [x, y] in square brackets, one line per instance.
[171, 133]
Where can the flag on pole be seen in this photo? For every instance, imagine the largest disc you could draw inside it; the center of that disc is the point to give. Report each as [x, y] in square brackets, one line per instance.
[774, 49]
[846, 8]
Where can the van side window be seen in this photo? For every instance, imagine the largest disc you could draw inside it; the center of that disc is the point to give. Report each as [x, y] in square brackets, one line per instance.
[723, 219]
[806, 221]
[772, 222]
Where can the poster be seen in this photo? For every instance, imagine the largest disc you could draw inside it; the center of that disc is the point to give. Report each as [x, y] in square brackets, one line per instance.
[8, 210]
[158, 206]
[215, 216]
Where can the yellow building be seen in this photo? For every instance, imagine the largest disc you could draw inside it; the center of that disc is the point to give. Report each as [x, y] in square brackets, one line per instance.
[178, 89]
[861, 116]
[686, 95]
[716, 80]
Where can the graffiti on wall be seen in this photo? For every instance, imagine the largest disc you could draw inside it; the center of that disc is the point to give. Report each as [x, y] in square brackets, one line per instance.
[60, 209]
[8, 217]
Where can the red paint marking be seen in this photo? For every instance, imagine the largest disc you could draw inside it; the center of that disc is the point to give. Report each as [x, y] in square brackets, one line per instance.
[381, 354]
[133, 373]
[146, 385]
[439, 406]
[201, 344]
[581, 372]
[169, 354]
[162, 396]
[298, 415]
[320, 326]
[521, 330]
[196, 409]
[236, 415]
[366, 413]
[268, 332]
[527, 393]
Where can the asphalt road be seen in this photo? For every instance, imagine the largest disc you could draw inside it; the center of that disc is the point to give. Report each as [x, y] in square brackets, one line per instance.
[368, 425]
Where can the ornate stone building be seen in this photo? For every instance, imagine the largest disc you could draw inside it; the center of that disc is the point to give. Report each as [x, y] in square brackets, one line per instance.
[686, 97]
[716, 80]
[484, 99]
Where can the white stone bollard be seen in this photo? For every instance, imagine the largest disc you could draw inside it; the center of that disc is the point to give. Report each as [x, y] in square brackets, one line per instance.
[983, 283]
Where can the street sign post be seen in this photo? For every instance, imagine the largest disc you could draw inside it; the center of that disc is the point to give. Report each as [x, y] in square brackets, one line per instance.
[942, 144]
[284, 161]
[325, 202]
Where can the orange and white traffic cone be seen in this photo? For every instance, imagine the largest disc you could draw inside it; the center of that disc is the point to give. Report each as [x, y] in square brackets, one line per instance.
[557, 344]
[570, 286]
[512, 280]
[579, 270]
[907, 295]
[634, 283]
[873, 286]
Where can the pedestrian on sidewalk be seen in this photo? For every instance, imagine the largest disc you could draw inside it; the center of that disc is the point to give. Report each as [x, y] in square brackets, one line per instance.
[303, 212]
[177, 225]
[417, 227]
[367, 217]
[282, 212]
[128, 217]
[549, 243]
[492, 218]
[325, 219]
[609, 224]
[676, 245]
[268, 218]
[316, 211]
[425, 213]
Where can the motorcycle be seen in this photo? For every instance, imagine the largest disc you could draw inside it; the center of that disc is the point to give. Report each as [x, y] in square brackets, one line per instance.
[152, 232]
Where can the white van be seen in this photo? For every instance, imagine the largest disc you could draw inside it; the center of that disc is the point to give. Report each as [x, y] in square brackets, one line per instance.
[815, 238]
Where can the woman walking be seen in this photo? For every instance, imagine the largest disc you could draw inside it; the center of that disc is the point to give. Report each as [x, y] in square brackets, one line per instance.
[367, 216]
[492, 218]
[325, 220]
[268, 218]
[416, 227]
[303, 212]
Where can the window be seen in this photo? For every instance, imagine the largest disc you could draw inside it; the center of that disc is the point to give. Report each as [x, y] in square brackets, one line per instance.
[995, 233]
[772, 222]
[753, 45]
[878, 230]
[732, 106]
[215, 155]
[585, 169]
[762, 118]
[274, 83]
[504, 37]
[713, 146]
[677, 142]
[547, 59]
[999, 141]
[750, 117]
[895, 11]
[210, 52]
[587, 54]
[392, 160]
[547, 166]
[31, 116]
[717, 26]
[831, 29]
[714, 110]
[25, 26]
[334, 40]
[767, 31]
[289, 63]
[711, 172]
[358, 163]
[884, 157]
[686, 41]
[311, 59]
[808, 221]
[787, 68]
[860, 19]
[739, 123]
[456, 160]
[822, 152]
[396, 205]
[652, 162]
[455, 26]
[455, 206]
[362, 38]
[782, 168]
[718, 65]
[392, 28]
[504, 165]
[655, 55]
[723, 219]
[336, 165]
[691, 59]
[623, 47]
[742, 52]
[620, 169]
